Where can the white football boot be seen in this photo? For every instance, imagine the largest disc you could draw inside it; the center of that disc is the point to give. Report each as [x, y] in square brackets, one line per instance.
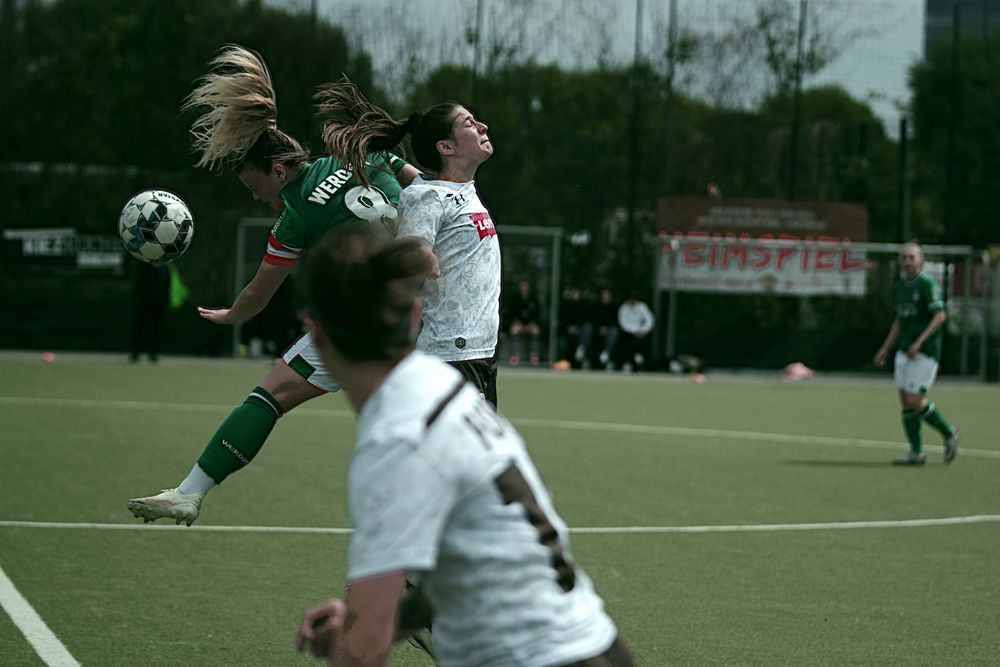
[951, 446]
[911, 459]
[169, 503]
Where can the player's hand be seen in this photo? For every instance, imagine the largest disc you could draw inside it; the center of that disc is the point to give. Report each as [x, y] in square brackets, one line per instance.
[320, 628]
[435, 271]
[215, 315]
[911, 351]
[880, 357]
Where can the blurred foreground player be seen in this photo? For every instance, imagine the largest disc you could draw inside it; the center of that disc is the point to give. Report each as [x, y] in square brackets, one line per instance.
[441, 491]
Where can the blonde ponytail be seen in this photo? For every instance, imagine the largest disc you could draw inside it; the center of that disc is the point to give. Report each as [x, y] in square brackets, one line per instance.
[238, 106]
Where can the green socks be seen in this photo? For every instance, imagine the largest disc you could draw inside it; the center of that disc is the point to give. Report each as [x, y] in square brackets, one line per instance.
[937, 420]
[241, 436]
[930, 414]
[911, 424]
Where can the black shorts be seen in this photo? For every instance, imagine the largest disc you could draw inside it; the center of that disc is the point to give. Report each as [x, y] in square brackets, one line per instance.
[482, 373]
[616, 656]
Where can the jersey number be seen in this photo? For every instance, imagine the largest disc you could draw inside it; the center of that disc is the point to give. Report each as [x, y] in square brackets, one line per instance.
[369, 204]
[514, 488]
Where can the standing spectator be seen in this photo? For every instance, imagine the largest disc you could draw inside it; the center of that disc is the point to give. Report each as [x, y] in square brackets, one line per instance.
[152, 289]
[636, 321]
[577, 328]
[606, 320]
[916, 334]
[524, 314]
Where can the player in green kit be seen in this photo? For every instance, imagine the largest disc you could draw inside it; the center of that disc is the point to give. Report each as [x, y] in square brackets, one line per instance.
[238, 130]
[916, 332]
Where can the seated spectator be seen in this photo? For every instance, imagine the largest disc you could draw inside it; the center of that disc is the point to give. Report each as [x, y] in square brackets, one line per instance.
[577, 329]
[635, 320]
[606, 323]
[523, 313]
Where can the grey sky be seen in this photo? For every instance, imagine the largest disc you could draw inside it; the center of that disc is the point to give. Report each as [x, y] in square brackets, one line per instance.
[876, 67]
[880, 39]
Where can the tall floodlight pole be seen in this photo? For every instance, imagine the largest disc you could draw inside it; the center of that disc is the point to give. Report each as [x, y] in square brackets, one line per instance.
[793, 158]
[667, 163]
[955, 112]
[904, 181]
[634, 154]
[671, 72]
[313, 24]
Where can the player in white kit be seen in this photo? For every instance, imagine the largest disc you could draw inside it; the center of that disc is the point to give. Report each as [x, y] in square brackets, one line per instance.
[441, 491]
[460, 322]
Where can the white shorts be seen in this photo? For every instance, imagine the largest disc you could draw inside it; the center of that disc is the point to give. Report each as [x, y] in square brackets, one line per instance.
[914, 376]
[303, 358]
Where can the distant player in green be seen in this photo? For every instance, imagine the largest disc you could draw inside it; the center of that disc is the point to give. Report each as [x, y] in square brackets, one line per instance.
[238, 130]
[916, 333]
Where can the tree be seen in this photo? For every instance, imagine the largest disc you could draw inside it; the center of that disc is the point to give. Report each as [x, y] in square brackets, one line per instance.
[91, 92]
[102, 82]
[738, 59]
[845, 154]
[956, 110]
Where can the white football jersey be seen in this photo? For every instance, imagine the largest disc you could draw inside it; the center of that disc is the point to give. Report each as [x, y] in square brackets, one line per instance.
[461, 308]
[635, 318]
[442, 488]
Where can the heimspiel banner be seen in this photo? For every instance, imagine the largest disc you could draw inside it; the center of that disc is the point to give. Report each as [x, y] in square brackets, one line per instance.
[757, 245]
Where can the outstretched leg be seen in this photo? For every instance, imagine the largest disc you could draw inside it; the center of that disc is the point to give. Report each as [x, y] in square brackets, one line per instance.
[294, 380]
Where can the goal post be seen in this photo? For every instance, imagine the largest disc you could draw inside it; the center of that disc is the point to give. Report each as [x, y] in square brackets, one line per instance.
[251, 236]
[534, 254]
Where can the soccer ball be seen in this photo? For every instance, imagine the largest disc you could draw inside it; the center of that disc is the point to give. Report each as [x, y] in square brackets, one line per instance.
[156, 226]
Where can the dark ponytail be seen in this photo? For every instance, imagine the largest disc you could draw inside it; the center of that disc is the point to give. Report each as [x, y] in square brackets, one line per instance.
[412, 122]
[353, 127]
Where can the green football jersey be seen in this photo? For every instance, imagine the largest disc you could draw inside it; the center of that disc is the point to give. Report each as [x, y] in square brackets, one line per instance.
[324, 194]
[916, 302]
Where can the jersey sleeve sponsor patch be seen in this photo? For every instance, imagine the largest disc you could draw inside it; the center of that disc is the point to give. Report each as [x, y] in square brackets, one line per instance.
[483, 225]
[279, 254]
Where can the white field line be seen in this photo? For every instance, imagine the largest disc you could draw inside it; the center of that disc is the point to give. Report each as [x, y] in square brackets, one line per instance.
[46, 402]
[772, 527]
[612, 530]
[742, 435]
[304, 530]
[46, 644]
[609, 427]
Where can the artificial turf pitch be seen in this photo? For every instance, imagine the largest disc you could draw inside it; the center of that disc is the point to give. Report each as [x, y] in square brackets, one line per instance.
[739, 521]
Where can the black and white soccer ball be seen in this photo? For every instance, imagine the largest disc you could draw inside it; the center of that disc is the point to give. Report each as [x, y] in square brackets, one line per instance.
[156, 226]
